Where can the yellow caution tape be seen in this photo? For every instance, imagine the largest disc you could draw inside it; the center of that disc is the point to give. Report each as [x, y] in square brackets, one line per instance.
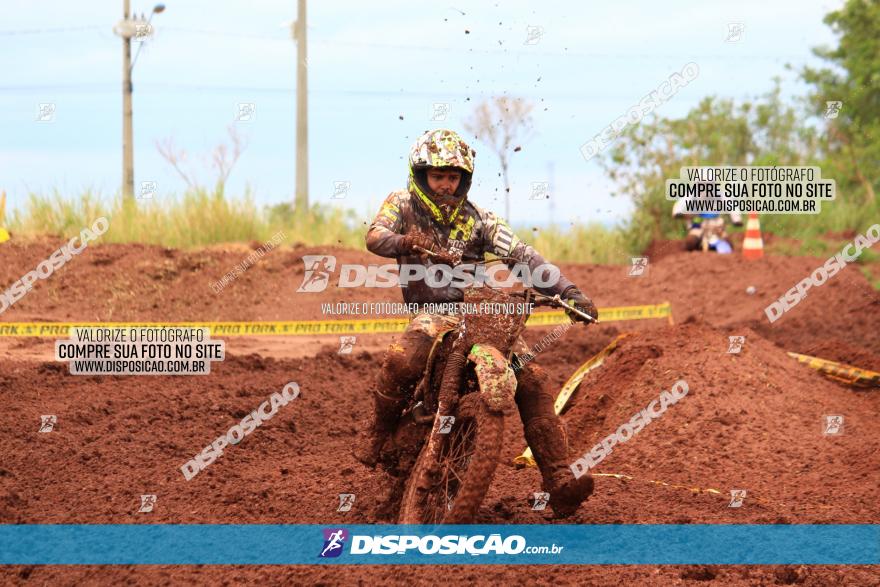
[526, 459]
[839, 371]
[308, 327]
[749, 496]
[4, 236]
[290, 328]
[614, 314]
[663, 483]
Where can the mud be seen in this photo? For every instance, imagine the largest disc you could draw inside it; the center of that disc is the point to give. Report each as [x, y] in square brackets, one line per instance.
[751, 420]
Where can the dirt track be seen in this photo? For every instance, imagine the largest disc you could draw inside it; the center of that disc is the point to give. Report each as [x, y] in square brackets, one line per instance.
[750, 421]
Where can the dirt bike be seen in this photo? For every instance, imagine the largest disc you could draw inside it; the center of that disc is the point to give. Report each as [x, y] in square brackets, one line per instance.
[712, 234]
[708, 228]
[448, 440]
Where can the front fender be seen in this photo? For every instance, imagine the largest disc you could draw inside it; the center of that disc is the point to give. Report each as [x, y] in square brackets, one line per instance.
[497, 380]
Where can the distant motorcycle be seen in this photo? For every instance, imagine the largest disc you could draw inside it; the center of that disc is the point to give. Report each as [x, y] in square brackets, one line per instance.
[711, 233]
[706, 230]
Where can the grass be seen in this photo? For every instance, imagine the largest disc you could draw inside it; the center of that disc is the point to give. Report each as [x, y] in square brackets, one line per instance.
[201, 218]
[198, 218]
[843, 214]
[592, 243]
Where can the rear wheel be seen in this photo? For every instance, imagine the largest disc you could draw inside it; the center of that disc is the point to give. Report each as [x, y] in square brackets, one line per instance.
[453, 471]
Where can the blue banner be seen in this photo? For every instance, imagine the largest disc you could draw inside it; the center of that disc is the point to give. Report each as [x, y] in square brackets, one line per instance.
[634, 544]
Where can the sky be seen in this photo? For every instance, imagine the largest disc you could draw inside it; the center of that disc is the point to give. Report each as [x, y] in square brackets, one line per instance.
[376, 73]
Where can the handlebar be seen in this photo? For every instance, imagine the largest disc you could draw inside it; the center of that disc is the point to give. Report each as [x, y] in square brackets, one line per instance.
[540, 299]
[555, 301]
[444, 256]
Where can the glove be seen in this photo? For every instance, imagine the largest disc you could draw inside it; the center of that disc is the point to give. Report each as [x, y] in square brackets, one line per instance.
[413, 240]
[573, 297]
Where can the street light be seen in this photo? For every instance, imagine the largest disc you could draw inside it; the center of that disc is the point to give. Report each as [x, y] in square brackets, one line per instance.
[127, 28]
[145, 30]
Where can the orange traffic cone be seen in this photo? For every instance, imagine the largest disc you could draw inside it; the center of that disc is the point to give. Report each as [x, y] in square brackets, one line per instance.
[753, 244]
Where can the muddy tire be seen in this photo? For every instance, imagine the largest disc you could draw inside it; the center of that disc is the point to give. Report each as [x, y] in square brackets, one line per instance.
[453, 471]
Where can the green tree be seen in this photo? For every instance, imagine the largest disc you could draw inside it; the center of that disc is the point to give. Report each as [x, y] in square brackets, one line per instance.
[853, 137]
[715, 132]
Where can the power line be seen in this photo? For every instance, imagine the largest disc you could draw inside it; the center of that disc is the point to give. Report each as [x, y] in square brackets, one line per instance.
[153, 86]
[104, 87]
[391, 47]
[51, 31]
[226, 34]
[564, 53]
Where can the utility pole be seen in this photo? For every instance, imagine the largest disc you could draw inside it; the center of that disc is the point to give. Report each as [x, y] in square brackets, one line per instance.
[127, 130]
[552, 203]
[301, 201]
[127, 28]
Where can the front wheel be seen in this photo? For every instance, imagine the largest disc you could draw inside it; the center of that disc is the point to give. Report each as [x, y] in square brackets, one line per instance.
[453, 471]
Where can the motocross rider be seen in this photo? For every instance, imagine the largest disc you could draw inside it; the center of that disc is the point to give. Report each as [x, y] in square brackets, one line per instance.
[709, 224]
[434, 213]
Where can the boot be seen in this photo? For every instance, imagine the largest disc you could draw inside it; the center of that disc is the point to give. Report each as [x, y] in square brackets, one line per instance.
[546, 437]
[386, 413]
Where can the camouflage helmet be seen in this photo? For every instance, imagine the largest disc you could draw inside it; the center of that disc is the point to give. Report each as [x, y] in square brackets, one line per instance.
[440, 148]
